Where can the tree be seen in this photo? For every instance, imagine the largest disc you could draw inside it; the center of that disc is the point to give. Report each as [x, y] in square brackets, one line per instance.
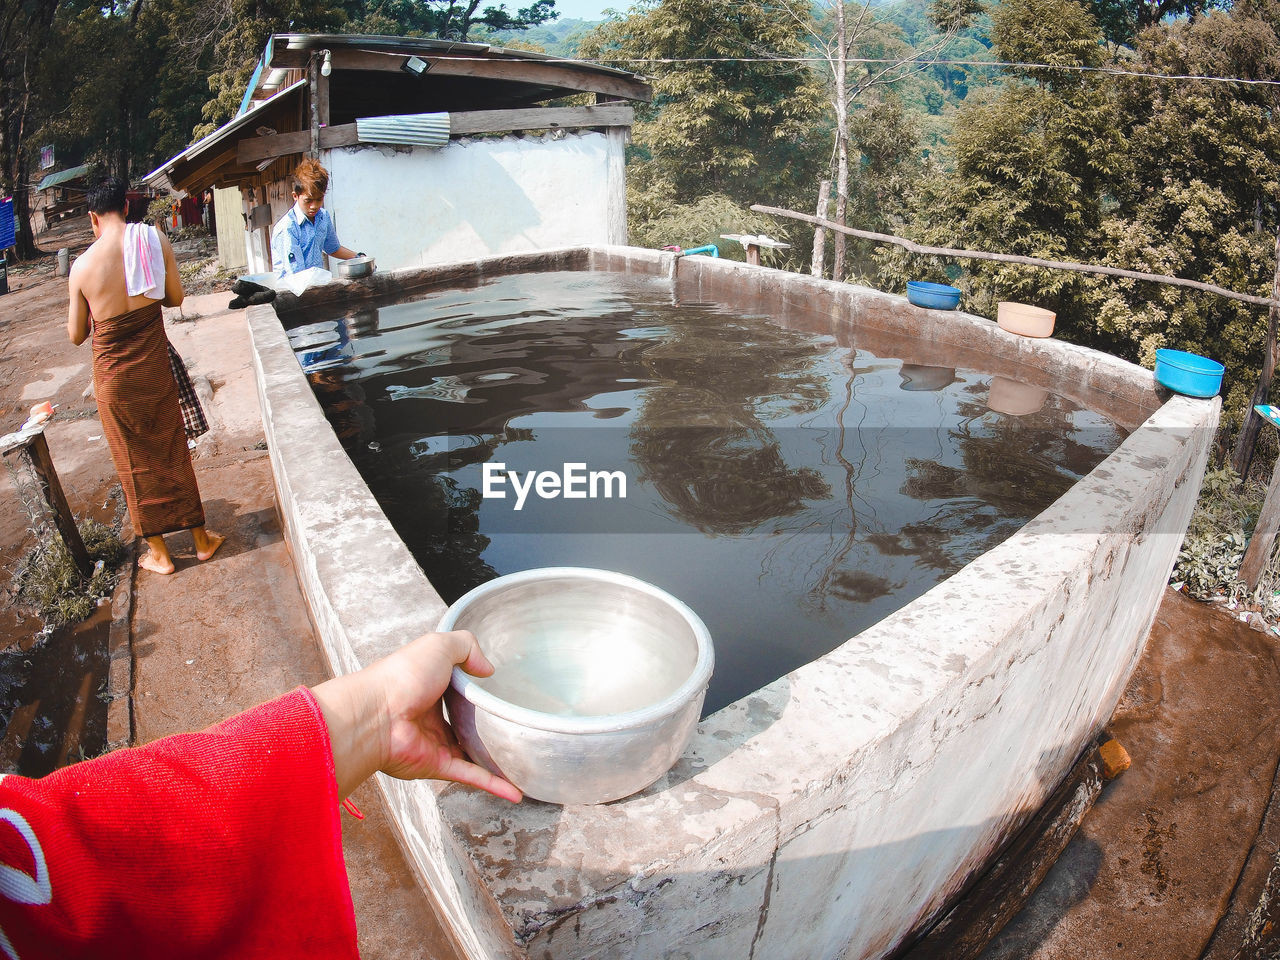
[24, 33]
[447, 20]
[237, 32]
[727, 117]
[1202, 199]
[862, 52]
[1034, 161]
[1123, 20]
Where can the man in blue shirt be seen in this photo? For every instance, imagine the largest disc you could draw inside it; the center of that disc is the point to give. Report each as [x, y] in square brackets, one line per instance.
[303, 235]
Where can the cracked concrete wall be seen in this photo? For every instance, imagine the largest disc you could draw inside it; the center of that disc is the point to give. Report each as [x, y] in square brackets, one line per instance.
[832, 812]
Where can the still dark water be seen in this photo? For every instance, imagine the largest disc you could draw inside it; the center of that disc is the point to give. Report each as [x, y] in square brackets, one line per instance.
[52, 697]
[790, 490]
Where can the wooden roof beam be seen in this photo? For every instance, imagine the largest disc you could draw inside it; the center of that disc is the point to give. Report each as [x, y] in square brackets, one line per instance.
[460, 125]
[534, 72]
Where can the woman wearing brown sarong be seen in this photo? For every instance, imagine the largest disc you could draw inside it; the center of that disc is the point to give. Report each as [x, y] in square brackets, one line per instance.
[134, 385]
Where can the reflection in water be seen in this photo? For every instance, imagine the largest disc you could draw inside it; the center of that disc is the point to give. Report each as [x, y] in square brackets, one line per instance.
[52, 698]
[1014, 398]
[790, 490]
[918, 376]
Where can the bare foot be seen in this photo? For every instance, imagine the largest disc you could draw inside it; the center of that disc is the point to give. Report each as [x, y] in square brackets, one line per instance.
[212, 541]
[149, 561]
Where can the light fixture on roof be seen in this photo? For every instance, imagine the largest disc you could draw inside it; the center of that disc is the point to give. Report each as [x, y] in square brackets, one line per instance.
[415, 65]
[326, 67]
[266, 163]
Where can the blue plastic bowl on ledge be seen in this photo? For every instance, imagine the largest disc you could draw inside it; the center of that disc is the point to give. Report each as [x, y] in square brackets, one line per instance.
[936, 296]
[1188, 373]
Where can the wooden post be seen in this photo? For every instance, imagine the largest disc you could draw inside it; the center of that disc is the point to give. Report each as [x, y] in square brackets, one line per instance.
[314, 104]
[1264, 533]
[37, 449]
[1242, 456]
[322, 100]
[817, 265]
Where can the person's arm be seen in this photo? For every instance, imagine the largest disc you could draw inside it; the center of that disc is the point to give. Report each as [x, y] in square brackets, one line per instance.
[388, 716]
[77, 309]
[280, 249]
[331, 244]
[173, 292]
[225, 843]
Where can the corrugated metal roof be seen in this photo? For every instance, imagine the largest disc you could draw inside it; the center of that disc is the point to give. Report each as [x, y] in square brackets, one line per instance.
[415, 129]
[53, 179]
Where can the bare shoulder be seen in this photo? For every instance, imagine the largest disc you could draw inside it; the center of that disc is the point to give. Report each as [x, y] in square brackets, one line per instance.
[87, 260]
[81, 266]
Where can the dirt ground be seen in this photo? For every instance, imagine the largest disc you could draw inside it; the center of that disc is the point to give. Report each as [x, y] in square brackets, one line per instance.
[210, 640]
[1171, 862]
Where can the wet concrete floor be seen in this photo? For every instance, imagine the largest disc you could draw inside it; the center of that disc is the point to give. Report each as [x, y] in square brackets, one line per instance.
[1152, 871]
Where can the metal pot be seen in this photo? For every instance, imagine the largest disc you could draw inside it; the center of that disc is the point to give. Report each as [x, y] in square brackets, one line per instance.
[353, 268]
[598, 686]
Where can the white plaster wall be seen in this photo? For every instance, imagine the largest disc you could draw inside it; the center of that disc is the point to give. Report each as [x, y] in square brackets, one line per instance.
[831, 812]
[417, 206]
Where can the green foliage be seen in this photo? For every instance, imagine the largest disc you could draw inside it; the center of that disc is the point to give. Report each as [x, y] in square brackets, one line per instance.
[891, 163]
[1175, 178]
[236, 47]
[1123, 21]
[1221, 526]
[1033, 162]
[48, 580]
[1201, 199]
[738, 128]
[1217, 535]
[1047, 32]
[699, 223]
[559, 37]
[444, 19]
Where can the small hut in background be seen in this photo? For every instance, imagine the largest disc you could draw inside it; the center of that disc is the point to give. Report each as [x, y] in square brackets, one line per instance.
[436, 151]
[59, 196]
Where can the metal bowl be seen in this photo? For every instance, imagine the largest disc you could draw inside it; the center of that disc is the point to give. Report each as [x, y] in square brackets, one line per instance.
[598, 684]
[353, 267]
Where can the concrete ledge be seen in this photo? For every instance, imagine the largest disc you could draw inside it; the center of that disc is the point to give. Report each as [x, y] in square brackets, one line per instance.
[836, 810]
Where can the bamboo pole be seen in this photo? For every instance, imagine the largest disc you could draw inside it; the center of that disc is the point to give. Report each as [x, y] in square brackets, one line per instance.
[1242, 456]
[1264, 534]
[1013, 258]
[817, 264]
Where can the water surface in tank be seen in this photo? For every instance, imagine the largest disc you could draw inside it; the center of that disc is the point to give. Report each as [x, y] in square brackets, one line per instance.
[792, 490]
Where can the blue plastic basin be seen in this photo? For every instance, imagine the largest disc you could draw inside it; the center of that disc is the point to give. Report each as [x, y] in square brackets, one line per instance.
[937, 296]
[1188, 373]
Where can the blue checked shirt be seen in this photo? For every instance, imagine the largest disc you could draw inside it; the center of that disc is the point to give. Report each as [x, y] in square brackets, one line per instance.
[298, 243]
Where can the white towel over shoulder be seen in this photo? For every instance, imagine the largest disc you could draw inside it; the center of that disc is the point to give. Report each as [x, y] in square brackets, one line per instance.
[143, 261]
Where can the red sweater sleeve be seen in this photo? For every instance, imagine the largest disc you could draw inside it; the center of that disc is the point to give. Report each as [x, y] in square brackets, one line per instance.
[224, 843]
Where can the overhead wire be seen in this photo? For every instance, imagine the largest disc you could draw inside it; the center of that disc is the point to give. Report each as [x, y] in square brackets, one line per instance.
[1003, 64]
[890, 61]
